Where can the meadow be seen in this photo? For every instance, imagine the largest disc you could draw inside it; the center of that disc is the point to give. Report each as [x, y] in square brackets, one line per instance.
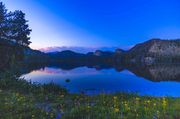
[20, 99]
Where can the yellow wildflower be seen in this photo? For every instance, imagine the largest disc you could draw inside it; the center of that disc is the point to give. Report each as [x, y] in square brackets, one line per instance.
[126, 104]
[116, 110]
[61, 96]
[137, 98]
[52, 115]
[164, 103]
[17, 94]
[115, 98]
[154, 104]
[148, 101]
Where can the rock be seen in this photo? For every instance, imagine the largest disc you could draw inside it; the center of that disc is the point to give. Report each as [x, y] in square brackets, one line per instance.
[155, 50]
[103, 53]
[149, 60]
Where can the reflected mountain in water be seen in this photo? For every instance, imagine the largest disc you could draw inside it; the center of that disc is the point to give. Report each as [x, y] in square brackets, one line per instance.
[155, 73]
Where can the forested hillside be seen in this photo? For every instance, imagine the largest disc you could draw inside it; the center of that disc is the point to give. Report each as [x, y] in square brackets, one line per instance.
[14, 35]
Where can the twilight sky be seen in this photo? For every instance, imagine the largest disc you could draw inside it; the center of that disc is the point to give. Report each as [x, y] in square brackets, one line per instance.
[98, 23]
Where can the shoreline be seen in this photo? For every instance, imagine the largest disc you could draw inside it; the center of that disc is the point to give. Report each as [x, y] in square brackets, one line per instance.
[19, 95]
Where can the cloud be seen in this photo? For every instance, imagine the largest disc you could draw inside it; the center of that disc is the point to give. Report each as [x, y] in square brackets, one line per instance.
[76, 49]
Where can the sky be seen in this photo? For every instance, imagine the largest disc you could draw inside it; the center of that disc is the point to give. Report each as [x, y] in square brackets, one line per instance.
[98, 23]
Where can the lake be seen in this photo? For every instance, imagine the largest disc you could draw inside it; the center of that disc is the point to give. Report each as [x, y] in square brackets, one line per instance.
[109, 80]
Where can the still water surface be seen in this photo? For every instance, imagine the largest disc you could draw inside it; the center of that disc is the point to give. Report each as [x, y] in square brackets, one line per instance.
[93, 81]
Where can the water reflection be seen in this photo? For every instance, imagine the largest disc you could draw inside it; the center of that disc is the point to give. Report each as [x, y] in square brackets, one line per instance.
[159, 80]
[159, 72]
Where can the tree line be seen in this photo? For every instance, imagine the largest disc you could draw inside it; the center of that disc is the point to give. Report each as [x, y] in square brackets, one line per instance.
[14, 27]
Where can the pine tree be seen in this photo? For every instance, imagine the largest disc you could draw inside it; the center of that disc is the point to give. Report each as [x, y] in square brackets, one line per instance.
[19, 28]
[13, 26]
[3, 21]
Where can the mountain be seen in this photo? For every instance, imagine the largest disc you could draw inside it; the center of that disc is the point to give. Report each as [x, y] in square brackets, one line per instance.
[103, 53]
[147, 53]
[91, 58]
[76, 49]
[155, 50]
[35, 56]
[157, 72]
[65, 54]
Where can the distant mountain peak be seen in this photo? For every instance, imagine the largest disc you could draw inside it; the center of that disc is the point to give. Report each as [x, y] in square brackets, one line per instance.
[83, 50]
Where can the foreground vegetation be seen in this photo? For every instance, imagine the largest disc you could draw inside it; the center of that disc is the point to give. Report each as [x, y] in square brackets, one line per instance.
[20, 99]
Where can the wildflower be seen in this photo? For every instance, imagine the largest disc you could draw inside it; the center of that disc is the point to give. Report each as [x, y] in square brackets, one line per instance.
[116, 110]
[58, 116]
[154, 104]
[52, 115]
[33, 116]
[137, 99]
[17, 94]
[164, 103]
[148, 101]
[126, 104]
[42, 111]
[158, 113]
[145, 108]
[115, 98]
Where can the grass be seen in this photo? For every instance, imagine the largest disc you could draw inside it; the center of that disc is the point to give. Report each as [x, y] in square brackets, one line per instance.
[20, 99]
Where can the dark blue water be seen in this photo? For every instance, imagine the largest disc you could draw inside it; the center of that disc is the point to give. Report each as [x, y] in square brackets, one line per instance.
[92, 81]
